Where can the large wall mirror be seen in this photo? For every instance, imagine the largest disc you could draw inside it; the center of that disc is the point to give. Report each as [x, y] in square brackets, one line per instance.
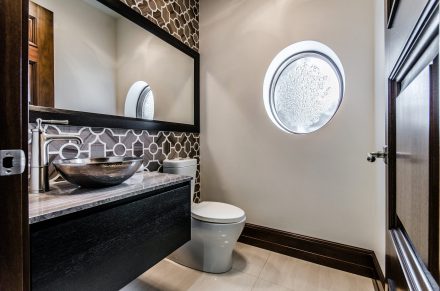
[99, 63]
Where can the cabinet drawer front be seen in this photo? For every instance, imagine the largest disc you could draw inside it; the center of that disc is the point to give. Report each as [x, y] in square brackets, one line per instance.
[106, 249]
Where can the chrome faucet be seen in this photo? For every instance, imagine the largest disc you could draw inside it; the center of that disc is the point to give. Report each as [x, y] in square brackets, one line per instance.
[39, 155]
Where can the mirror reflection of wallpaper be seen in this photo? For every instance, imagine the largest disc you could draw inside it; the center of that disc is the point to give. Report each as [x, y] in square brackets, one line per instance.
[180, 18]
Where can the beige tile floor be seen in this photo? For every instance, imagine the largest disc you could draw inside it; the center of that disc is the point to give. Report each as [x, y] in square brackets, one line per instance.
[253, 269]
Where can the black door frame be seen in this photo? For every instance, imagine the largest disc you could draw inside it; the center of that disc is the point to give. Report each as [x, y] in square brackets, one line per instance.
[14, 242]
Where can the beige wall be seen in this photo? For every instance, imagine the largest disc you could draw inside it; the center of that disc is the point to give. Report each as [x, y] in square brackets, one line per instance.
[142, 56]
[379, 118]
[317, 184]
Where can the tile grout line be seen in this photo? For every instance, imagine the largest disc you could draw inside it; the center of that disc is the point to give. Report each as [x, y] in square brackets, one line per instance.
[269, 281]
[261, 271]
[255, 283]
[265, 263]
[247, 274]
[257, 276]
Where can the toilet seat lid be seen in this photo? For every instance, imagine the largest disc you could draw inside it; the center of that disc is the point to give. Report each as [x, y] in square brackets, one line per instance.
[217, 212]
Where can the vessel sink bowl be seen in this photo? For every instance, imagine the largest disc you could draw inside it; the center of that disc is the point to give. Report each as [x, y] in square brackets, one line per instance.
[98, 172]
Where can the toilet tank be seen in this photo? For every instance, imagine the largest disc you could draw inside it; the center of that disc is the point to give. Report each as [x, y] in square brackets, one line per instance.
[186, 167]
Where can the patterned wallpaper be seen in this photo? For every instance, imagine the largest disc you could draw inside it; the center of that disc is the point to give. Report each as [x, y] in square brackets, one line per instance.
[180, 18]
[153, 147]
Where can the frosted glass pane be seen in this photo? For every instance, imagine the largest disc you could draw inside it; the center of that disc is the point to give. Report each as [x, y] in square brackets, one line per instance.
[306, 94]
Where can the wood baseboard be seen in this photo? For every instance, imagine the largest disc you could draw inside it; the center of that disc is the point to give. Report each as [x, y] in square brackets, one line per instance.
[335, 255]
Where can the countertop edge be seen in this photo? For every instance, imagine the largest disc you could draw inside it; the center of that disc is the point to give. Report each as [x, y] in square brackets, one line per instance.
[90, 205]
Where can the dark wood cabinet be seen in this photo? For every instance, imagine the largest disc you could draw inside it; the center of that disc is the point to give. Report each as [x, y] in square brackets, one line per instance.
[107, 247]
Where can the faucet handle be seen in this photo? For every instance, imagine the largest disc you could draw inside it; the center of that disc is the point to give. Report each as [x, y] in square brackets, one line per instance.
[40, 122]
[46, 121]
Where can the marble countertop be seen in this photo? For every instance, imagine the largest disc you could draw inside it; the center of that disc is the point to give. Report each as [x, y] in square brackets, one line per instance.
[65, 198]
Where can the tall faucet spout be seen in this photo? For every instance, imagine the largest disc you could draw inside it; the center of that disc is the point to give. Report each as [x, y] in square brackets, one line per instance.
[40, 156]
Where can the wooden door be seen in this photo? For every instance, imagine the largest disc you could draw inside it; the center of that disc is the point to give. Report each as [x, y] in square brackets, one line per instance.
[14, 247]
[41, 56]
[412, 43]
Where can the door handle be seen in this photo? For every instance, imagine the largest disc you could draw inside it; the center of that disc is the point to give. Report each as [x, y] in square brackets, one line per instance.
[371, 157]
[12, 162]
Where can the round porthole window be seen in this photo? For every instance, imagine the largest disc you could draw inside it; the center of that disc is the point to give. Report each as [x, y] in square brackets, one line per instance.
[303, 87]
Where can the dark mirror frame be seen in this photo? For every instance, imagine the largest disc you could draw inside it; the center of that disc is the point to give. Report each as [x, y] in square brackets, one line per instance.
[80, 118]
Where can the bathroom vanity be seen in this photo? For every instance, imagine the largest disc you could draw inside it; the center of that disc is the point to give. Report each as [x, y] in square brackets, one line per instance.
[101, 239]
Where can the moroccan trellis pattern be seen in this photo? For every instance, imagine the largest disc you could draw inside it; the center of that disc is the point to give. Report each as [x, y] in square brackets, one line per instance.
[180, 18]
[153, 147]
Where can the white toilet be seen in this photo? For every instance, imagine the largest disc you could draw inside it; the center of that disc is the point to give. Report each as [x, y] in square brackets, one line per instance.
[215, 227]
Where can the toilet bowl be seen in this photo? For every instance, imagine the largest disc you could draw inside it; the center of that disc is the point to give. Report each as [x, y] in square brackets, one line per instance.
[215, 227]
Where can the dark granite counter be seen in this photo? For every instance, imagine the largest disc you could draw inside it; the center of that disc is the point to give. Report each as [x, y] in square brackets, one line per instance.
[65, 198]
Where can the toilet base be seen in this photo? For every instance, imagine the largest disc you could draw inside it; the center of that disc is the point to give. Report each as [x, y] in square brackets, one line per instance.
[211, 246]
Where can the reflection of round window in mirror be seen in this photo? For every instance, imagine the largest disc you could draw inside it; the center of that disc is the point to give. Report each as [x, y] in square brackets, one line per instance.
[303, 87]
[139, 102]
